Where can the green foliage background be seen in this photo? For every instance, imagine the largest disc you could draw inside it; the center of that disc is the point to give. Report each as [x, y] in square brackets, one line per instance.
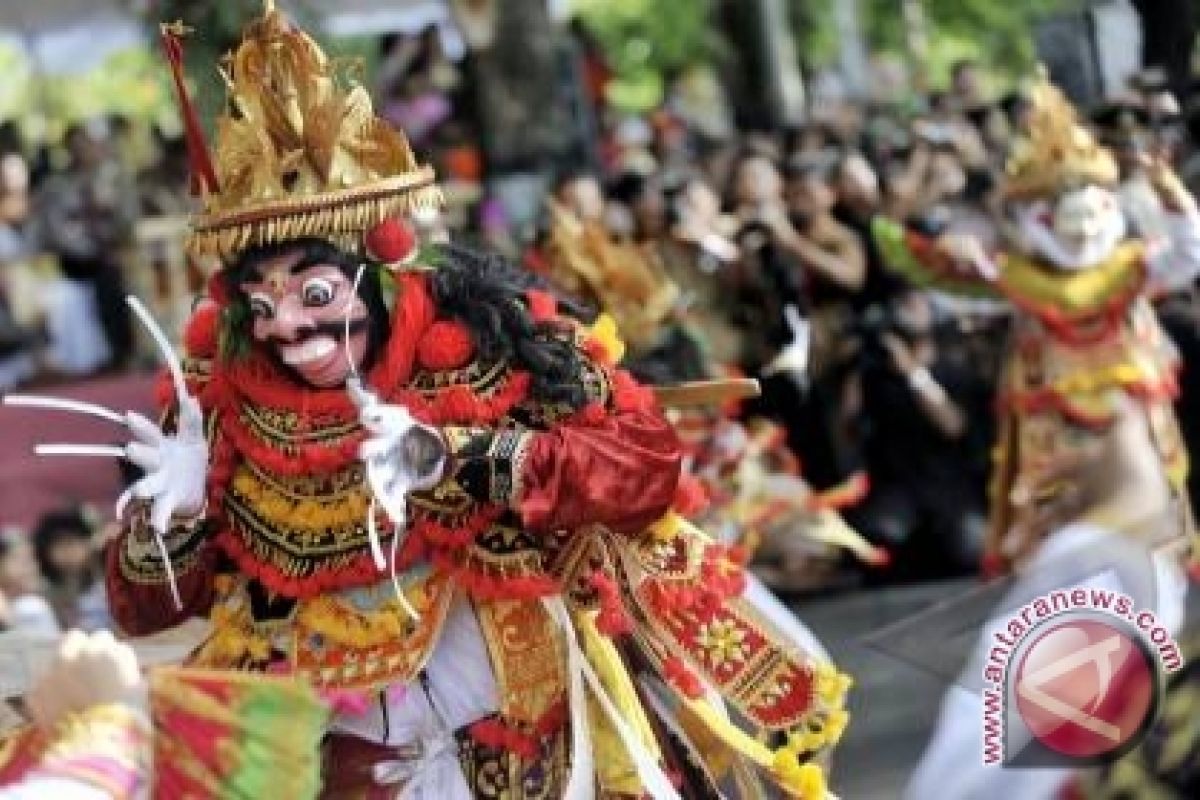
[647, 39]
[136, 82]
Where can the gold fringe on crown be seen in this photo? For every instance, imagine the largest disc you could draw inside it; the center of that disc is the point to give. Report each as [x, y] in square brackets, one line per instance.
[1058, 152]
[300, 152]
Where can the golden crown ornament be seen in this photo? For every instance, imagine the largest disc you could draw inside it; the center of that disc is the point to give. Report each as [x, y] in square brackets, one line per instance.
[299, 150]
[1058, 153]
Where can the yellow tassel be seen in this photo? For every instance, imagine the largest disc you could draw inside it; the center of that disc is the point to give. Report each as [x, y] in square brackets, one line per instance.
[832, 685]
[800, 742]
[666, 528]
[835, 726]
[803, 781]
[604, 332]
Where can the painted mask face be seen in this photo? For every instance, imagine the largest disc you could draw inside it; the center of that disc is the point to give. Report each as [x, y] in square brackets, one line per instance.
[299, 308]
[1082, 216]
[1079, 230]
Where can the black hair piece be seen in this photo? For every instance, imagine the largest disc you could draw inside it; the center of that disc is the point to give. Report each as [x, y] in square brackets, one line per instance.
[486, 293]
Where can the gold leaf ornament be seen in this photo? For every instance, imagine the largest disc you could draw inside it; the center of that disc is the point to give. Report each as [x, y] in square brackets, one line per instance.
[299, 151]
[1058, 153]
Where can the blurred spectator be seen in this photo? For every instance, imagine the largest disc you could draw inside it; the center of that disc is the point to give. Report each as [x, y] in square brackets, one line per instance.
[163, 186]
[890, 85]
[415, 83]
[87, 212]
[633, 141]
[1016, 109]
[17, 362]
[771, 276]
[832, 256]
[968, 93]
[834, 265]
[24, 608]
[643, 199]
[582, 194]
[923, 503]
[698, 254]
[858, 201]
[65, 546]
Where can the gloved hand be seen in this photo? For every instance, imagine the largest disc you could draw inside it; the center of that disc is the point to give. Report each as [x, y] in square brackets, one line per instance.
[176, 465]
[792, 360]
[402, 455]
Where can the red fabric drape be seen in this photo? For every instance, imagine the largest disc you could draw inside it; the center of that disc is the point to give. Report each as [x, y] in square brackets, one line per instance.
[621, 473]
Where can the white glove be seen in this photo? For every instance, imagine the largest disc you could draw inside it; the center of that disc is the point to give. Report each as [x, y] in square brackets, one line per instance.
[401, 454]
[176, 465]
[792, 360]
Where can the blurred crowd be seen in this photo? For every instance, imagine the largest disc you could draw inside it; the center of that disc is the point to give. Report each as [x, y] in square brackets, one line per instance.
[745, 222]
[51, 578]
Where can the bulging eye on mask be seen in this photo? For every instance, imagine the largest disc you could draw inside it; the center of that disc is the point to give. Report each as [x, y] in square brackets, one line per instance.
[1080, 229]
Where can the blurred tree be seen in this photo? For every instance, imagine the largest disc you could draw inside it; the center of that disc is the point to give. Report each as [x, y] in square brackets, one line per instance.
[129, 83]
[996, 32]
[524, 124]
[647, 41]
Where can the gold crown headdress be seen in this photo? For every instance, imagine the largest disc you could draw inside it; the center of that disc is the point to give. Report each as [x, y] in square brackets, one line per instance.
[299, 151]
[1058, 152]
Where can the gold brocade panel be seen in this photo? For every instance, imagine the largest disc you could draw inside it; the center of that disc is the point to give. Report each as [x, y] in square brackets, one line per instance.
[494, 773]
[528, 658]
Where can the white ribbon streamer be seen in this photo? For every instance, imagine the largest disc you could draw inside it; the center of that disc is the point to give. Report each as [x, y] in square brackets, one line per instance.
[433, 772]
[581, 784]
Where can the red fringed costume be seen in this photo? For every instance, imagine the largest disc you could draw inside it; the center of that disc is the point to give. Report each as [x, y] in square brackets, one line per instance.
[569, 629]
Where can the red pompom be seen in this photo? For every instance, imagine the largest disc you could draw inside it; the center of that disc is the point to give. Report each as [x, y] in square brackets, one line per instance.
[542, 305]
[201, 333]
[392, 242]
[612, 621]
[445, 346]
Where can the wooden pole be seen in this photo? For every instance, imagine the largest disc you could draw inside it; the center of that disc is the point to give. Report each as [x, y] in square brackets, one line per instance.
[916, 34]
[853, 55]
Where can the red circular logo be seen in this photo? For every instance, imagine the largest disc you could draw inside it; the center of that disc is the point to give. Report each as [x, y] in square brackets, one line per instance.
[1085, 687]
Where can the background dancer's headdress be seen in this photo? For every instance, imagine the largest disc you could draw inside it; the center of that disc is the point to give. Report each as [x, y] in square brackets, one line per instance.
[299, 150]
[621, 278]
[1058, 152]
